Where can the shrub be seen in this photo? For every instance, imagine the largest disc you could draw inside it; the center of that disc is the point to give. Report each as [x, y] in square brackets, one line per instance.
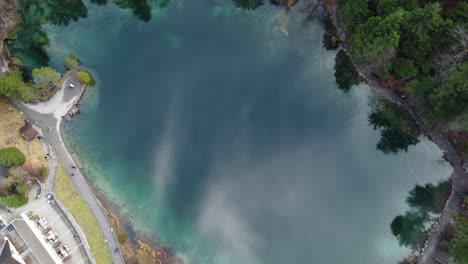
[22, 189]
[404, 68]
[353, 13]
[122, 237]
[14, 200]
[71, 62]
[11, 156]
[44, 171]
[85, 78]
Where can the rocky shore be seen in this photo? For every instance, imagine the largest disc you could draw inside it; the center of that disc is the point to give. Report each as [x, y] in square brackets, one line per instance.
[138, 249]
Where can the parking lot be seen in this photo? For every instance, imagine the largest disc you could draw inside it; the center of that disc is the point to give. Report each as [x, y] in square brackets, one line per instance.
[57, 233]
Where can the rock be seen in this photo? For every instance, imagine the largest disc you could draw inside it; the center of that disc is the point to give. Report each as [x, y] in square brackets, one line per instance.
[9, 17]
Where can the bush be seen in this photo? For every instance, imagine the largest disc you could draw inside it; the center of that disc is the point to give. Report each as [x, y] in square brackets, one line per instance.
[353, 13]
[71, 62]
[14, 200]
[122, 237]
[11, 156]
[13, 86]
[22, 189]
[85, 78]
[44, 171]
[404, 68]
[383, 73]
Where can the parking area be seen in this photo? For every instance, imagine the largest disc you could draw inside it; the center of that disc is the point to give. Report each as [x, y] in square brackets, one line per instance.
[57, 233]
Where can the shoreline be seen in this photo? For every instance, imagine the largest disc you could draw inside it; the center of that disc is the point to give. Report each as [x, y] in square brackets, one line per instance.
[120, 222]
[139, 247]
[458, 176]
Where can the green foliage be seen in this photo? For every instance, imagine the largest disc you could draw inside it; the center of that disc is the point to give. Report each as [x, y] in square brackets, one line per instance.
[85, 78]
[346, 74]
[11, 156]
[424, 89]
[453, 97]
[430, 198]
[409, 229]
[375, 41]
[46, 78]
[28, 45]
[13, 86]
[404, 68]
[442, 100]
[383, 72]
[12, 182]
[397, 132]
[14, 200]
[22, 189]
[353, 13]
[460, 14]
[122, 237]
[44, 172]
[420, 32]
[386, 7]
[459, 245]
[71, 62]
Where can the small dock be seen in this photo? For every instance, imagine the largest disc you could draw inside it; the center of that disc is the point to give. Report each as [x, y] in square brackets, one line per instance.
[73, 111]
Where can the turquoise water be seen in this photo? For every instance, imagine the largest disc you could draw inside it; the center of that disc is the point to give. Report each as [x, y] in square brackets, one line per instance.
[226, 139]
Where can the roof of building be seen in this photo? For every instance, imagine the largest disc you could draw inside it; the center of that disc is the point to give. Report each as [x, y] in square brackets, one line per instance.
[32, 241]
[28, 132]
[6, 256]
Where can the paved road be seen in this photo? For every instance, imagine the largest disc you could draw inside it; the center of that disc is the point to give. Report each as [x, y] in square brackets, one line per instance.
[2, 66]
[51, 129]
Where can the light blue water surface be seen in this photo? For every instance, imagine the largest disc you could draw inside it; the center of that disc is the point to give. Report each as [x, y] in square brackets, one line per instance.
[228, 140]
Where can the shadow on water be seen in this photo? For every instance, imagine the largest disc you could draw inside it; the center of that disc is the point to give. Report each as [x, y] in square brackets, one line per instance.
[346, 74]
[27, 45]
[397, 131]
[425, 202]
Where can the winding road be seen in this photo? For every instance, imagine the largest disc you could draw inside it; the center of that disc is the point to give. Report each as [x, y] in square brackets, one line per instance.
[47, 116]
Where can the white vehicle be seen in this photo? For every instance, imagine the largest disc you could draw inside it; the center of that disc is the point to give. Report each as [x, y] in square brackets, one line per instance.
[71, 85]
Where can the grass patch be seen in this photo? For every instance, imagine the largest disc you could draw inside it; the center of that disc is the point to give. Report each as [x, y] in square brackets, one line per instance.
[11, 120]
[70, 197]
[14, 200]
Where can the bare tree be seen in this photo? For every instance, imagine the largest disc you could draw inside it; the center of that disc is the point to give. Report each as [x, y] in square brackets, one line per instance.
[458, 52]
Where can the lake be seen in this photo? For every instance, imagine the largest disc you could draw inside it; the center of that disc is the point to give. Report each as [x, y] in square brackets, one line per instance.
[222, 133]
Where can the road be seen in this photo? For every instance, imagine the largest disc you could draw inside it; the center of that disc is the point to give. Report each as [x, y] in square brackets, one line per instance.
[3, 71]
[51, 127]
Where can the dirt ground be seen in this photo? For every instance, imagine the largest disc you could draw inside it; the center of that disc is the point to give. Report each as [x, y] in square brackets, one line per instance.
[11, 120]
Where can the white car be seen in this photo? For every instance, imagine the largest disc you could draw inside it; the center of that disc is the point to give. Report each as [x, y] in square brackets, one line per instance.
[71, 85]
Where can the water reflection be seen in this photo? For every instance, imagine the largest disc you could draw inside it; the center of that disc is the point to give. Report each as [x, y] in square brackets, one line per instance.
[397, 132]
[424, 201]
